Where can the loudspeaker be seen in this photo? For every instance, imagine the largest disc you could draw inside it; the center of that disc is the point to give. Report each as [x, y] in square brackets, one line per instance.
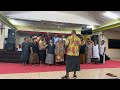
[87, 31]
[11, 36]
[10, 41]
[95, 38]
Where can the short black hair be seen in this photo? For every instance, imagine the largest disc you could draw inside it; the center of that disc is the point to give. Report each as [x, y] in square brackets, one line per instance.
[103, 40]
[25, 38]
[95, 41]
[73, 32]
[33, 39]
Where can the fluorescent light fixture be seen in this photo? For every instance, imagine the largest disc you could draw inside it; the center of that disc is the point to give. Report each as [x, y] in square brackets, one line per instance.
[110, 15]
[91, 26]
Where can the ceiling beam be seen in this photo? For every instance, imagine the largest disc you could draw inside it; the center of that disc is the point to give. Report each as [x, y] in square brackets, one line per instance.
[109, 25]
[5, 21]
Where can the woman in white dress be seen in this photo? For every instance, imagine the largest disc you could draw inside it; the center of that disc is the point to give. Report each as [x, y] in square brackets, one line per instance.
[96, 51]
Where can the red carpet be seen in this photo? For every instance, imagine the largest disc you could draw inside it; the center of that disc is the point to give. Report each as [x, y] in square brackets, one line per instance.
[8, 68]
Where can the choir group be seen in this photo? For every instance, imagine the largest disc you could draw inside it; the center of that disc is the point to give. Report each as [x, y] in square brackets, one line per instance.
[52, 50]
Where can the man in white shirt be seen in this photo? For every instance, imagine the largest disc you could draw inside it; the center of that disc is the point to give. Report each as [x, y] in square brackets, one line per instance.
[19, 48]
[63, 38]
[102, 52]
[56, 39]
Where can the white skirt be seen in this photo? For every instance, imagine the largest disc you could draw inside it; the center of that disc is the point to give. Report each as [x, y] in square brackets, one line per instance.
[96, 52]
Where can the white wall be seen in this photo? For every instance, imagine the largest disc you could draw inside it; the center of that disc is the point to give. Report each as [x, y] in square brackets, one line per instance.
[21, 39]
[3, 36]
[6, 31]
[113, 53]
[2, 39]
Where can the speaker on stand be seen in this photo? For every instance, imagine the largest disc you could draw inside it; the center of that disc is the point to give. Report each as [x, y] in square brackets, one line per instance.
[95, 38]
[10, 42]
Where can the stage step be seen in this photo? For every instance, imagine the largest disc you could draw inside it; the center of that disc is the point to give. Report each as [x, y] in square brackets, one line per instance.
[10, 56]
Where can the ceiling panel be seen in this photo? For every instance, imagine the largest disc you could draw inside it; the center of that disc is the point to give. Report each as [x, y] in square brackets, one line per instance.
[96, 16]
[75, 17]
[13, 12]
[63, 17]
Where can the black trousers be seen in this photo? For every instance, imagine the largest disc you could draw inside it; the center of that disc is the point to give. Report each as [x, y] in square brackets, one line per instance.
[101, 58]
[64, 57]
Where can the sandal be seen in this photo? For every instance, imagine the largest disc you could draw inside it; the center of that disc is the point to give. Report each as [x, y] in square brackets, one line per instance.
[65, 77]
[74, 76]
[111, 75]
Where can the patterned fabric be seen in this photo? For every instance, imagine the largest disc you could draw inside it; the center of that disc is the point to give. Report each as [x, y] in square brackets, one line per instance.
[34, 58]
[42, 45]
[59, 52]
[73, 43]
[59, 48]
[89, 53]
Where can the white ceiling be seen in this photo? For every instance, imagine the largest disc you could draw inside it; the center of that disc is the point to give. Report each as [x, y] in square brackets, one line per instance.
[74, 17]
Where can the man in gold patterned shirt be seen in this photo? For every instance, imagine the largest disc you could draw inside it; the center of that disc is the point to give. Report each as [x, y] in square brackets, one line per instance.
[73, 43]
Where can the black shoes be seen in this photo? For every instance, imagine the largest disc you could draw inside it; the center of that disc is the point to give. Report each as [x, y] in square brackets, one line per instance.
[74, 76]
[65, 77]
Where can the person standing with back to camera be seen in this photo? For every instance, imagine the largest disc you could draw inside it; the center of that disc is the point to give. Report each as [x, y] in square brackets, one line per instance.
[73, 43]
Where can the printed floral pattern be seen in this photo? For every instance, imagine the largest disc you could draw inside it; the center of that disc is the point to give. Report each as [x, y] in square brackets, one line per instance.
[73, 43]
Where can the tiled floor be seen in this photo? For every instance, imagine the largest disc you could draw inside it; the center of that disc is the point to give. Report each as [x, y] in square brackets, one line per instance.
[83, 74]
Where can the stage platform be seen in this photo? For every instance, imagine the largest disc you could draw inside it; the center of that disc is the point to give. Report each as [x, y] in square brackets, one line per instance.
[10, 56]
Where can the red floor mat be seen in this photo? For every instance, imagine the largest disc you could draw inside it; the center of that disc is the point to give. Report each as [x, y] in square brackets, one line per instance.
[7, 68]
